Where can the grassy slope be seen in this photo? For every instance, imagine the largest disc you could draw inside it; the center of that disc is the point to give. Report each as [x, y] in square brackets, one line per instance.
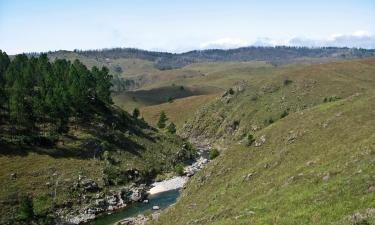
[317, 164]
[139, 98]
[288, 186]
[131, 144]
[264, 96]
[179, 111]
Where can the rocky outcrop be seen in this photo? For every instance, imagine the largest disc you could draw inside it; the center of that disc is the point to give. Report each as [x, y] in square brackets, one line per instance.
[103, 202]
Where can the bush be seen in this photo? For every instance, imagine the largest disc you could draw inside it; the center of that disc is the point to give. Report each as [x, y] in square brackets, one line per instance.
[179, 169]
[213, 154]
[171, 128]
[26, 211]
[287, 82]
[284, 114]
[250, 139]
[136, 113]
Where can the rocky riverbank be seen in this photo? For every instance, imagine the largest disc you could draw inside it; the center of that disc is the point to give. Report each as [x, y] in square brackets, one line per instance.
[101, 202]
[95, 203]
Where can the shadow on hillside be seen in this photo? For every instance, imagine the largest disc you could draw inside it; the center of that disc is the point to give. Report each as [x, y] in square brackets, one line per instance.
[88, 149]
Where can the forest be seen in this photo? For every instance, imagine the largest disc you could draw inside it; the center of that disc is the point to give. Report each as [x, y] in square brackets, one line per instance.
[40, 97]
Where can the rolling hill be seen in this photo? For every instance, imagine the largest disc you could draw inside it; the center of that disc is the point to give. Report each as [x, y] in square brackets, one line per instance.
[311, 159]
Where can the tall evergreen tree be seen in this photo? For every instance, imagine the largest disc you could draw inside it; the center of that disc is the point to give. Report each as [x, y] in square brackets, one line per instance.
[162, 119]
[103, 84]
[4, 63]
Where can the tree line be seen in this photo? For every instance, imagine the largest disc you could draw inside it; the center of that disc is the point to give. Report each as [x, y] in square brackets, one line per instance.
[36, 93]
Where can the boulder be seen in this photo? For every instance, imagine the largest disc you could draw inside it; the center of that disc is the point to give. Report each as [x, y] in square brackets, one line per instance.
[155, 207]
[260, 141]
[89, 185]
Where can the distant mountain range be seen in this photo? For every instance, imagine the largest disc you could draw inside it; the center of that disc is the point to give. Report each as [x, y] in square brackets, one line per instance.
[277, 55]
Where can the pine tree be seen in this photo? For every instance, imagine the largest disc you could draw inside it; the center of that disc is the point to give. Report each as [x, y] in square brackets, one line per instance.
[103, 84]
[171, 128]
[4, 63]
[136, 113]
[162, 119]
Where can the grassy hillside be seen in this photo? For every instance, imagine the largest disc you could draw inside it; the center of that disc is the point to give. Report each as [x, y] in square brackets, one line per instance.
[179, 111]
[316, 166]
[104, 150]
[270, 94]
[139, 98]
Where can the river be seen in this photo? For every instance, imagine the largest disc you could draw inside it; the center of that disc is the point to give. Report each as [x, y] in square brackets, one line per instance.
[163, 200]
[163, 194]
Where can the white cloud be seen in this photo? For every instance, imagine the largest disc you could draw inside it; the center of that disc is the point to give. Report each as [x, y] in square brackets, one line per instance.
[357, 39]
[224, 43]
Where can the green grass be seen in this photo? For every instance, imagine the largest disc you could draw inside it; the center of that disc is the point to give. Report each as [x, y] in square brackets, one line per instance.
[287, 185]
[130, 144]
[264, 96]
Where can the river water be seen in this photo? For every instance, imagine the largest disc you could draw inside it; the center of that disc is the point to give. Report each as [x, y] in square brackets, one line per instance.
[163, 200]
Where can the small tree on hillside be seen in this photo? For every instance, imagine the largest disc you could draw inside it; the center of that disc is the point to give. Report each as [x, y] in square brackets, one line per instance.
[171, 128]
[250, 139]
[136, 113]
[162, 119]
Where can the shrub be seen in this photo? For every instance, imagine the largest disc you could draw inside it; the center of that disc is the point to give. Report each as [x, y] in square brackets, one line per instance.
[250, 139]
[162, 119]
[171, 128]
[213, 154]
[26, 211]
[136, 113]
[284, 114]
[287, 82]
[179, 169]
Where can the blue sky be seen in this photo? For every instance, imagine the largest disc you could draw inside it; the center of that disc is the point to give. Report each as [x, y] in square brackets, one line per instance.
[42, 25]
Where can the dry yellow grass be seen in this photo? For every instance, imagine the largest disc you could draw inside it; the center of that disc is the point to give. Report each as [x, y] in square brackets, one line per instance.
[178, 111]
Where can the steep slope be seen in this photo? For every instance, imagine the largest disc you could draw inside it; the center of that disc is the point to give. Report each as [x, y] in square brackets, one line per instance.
[315, 166]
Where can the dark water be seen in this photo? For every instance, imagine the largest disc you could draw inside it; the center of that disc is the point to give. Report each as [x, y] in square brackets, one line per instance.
[163, 200]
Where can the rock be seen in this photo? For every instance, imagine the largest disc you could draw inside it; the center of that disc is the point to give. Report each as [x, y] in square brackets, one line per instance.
[326, 177]
[137, 194]
[13, 176]
[260, 141]
[100, 202]
[155, 207]
[89, 185]
[371, 189]
[112, 200]
[139, 220]
[145, 201]
[310, 163]
[248, 176]
[81, 218]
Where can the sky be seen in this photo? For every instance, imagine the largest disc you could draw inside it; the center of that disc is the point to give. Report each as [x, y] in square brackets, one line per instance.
[182, 25]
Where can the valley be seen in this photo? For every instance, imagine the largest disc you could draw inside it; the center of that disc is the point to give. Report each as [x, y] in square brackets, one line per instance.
[294, 139]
